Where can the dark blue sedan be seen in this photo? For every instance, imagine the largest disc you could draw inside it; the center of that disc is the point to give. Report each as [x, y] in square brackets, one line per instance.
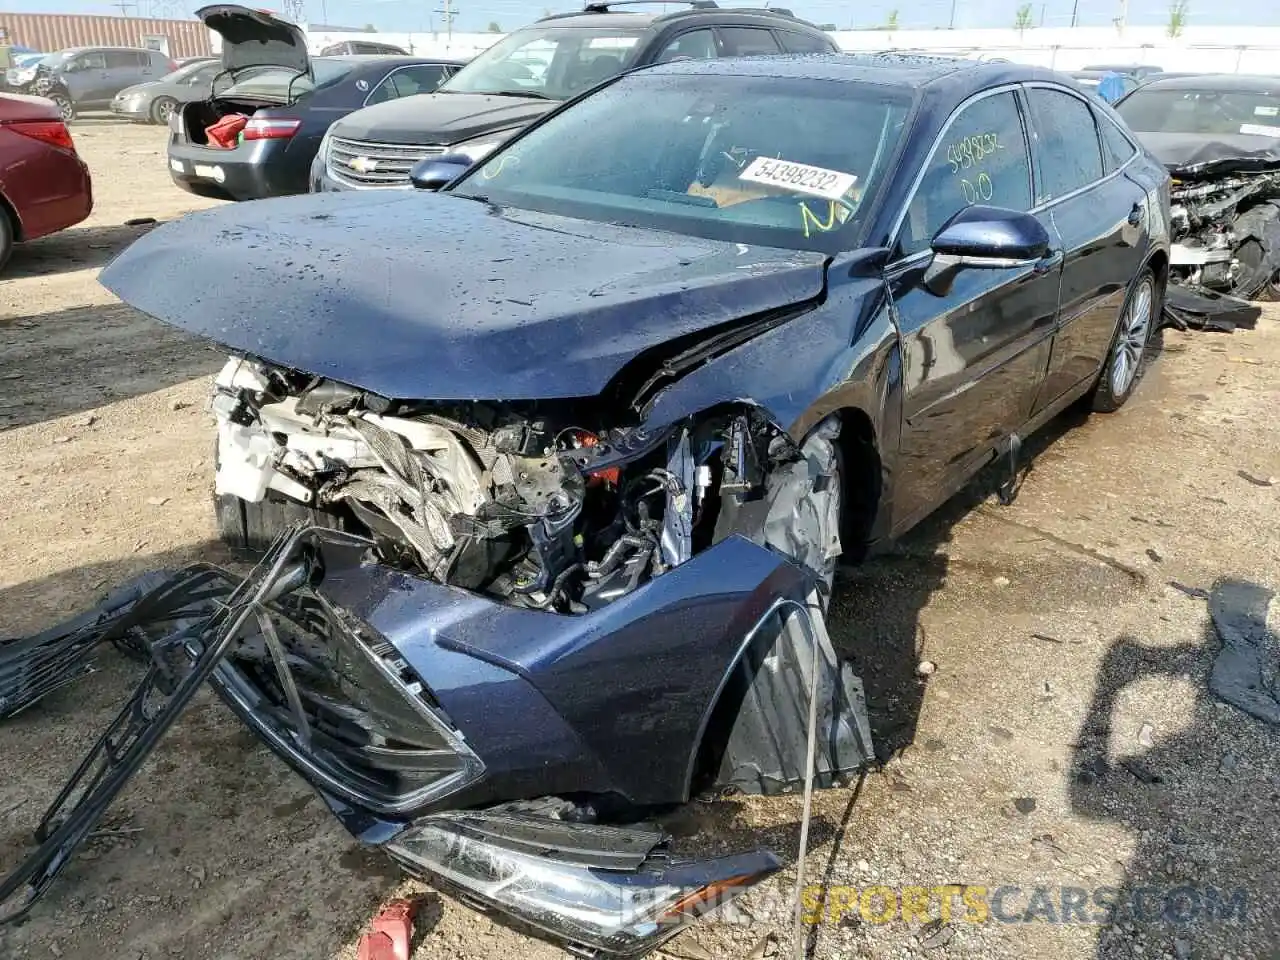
[559, 459]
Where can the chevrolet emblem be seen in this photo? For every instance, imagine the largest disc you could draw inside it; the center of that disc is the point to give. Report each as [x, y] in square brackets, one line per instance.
[363, 164]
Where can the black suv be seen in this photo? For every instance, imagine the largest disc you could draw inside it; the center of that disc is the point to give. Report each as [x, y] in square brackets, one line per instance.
[531, 71]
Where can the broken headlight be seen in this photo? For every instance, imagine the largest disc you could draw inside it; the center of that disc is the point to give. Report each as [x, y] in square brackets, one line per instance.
[594, 911]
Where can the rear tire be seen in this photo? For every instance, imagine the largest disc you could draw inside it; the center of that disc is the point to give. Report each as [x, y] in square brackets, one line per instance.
[1125, 360]
[162, 109]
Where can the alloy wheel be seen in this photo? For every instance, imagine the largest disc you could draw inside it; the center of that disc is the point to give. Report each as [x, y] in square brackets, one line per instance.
[1135, 327]
[66, 108]
[163, 110]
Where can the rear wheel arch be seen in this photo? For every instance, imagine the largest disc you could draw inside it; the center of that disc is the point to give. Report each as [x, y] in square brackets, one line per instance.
[10, 230]
[15, 225]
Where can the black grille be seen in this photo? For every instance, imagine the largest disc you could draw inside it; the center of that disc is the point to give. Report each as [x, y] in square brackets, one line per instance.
[371, 725]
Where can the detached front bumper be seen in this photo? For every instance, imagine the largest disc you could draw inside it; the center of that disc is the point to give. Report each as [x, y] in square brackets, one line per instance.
[418, 697]
[433, 721]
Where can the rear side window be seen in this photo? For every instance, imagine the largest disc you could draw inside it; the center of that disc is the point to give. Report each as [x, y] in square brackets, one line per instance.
[748, 42]
[408, 81]
[1117, 150]
[1066, 143]
[803, 42]
[694, 45]
[982, 158]
[124, 58]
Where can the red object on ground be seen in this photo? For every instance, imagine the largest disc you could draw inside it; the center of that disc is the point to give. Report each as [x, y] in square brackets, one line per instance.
[44, 186]
[226, 132]
[391, 933]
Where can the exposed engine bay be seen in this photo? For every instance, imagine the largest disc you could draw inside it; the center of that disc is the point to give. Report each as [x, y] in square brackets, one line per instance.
[535, 504]
[1226, 230]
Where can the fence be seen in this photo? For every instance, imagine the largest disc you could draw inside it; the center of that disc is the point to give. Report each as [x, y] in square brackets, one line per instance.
[55, 31]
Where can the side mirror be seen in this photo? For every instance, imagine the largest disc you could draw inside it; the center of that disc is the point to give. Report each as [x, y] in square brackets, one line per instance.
[990, 238]
[432, 173]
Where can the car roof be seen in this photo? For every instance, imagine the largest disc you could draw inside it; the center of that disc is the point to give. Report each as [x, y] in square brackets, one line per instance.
[1215, 81]
[375, 58]
[962, 77]
[602, 20]
[93, 49]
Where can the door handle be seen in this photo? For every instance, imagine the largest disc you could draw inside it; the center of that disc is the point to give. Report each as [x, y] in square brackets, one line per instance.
[1050, 261]
[1136, 214]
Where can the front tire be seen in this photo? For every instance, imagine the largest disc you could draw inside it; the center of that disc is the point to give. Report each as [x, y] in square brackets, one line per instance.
[1124, 364]
[162, 110]
[65, 107]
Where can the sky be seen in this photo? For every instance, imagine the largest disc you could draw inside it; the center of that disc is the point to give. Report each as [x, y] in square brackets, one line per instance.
[477, 15]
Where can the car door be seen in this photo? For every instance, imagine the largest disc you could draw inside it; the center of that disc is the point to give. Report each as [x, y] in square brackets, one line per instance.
[1099, 214]
[86, 77]
[973, 358]
[123, 69]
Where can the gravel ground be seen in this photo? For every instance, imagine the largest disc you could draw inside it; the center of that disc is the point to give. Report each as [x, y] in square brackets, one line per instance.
[1064, 738]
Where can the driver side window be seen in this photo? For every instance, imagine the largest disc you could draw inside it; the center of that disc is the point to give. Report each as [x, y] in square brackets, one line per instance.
[89, 61]
[981, 158]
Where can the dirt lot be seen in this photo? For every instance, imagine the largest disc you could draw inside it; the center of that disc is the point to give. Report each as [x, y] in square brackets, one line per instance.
[1056, 637]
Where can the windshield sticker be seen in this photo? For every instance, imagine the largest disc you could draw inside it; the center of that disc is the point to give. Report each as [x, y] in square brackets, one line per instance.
[972, 150]
[1260, 130]
[1262, 111]
[799, 177]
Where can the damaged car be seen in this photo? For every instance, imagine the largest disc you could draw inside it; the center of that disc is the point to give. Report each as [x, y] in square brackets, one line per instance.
[1219, 136]
[553, 466]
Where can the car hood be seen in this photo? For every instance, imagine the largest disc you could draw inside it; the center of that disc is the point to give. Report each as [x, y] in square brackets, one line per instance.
[1189, 155]
[138, 88]
[440, 118]
[253, 38]
[417, 295]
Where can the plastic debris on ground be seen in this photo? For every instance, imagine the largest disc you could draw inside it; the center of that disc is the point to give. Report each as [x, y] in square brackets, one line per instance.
[33, 667]
[1198, 309]
[1246, 672]
[390, 934]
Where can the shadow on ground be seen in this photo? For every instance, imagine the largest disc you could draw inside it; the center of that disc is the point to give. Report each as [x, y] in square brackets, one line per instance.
[1203, 880]
[67, 361]
[213, 829]
[79, 248]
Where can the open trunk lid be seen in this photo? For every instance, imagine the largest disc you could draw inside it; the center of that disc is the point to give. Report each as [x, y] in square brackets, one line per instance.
[252, 38]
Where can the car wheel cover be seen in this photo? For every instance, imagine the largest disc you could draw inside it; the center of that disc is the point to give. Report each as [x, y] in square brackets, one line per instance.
[1131, 343]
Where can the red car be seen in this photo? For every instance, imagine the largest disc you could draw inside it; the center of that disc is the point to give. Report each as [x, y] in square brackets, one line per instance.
[44, 185]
